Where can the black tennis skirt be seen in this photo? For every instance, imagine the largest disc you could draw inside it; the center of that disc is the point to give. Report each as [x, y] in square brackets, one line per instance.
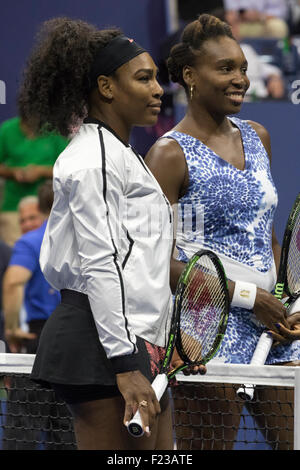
[71, 360]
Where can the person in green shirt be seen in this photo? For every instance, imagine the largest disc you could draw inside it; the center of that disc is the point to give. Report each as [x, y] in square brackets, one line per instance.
[26, 161]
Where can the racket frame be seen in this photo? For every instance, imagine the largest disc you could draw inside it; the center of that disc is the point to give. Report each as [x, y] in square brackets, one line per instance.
[246, 392]
[160, 382]
[282, 280]
[224, 319]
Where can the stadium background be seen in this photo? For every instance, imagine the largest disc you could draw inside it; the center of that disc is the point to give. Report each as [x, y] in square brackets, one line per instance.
[148, 22]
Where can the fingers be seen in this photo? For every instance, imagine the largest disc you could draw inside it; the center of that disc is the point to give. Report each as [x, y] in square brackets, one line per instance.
[283, 334]
[148, 410]
[138, 395]
[195, 370]
[269, 310]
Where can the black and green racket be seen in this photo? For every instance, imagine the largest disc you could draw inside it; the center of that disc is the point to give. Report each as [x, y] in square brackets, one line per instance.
[288, 282]
[199, 320]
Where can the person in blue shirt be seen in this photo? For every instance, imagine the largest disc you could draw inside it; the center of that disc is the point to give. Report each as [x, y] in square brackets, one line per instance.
[5, 254]
[24, 281]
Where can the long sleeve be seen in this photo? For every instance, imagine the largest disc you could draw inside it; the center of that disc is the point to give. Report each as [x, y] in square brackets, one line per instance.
[94, 202]
[103, 196]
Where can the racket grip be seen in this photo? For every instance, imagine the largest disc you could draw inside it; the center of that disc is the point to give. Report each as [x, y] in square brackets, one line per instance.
[294, 306]
[246, 392]
[159, 385]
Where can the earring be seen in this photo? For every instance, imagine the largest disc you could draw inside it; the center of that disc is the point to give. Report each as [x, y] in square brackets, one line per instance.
[191, 92]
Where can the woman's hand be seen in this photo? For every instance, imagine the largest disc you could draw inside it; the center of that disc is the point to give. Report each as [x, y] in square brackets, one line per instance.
[290, 334]
[176, 362]
[29, 174]
[16, 338]
[269, 310]
[138, 395]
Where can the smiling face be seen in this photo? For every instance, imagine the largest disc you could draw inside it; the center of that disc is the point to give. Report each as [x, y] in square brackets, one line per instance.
[219, 76]
[136, 92]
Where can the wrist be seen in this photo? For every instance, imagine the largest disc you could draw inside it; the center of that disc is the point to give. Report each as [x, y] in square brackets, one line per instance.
[244, 295]
[126, 363]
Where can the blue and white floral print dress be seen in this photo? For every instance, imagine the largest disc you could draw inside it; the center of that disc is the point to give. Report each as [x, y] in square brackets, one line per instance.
[230, 212]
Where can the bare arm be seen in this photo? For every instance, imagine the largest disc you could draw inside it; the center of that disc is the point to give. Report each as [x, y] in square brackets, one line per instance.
[7, 172]
[27, 174]
[167, 163]
[14, 282]
[32, 173]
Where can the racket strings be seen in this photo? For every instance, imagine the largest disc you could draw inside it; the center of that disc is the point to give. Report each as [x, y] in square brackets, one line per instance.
[202, 307]
[293, 262]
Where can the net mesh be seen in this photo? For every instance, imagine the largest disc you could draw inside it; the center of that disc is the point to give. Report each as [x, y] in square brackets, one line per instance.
[31, 417]
[207, 412]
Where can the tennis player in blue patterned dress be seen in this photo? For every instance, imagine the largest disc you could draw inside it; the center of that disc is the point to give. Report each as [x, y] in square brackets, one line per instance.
[216, 170]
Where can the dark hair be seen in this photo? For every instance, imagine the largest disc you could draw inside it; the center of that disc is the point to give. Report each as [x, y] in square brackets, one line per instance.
[193, 36]
[45, 196]
[56, 86]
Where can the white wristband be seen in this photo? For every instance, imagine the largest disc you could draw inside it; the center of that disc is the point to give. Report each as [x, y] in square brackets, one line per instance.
[244, 295]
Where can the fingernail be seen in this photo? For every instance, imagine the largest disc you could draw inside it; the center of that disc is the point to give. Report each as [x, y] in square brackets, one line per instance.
[126, 424]
[269, 333]
[147, 429]
[277, 326]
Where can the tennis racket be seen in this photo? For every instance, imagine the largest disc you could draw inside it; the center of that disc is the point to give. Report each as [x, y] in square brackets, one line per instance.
[288, 281]
[198, 324]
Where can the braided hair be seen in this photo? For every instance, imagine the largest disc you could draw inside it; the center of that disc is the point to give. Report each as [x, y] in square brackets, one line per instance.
[193, 37]
[54, 95]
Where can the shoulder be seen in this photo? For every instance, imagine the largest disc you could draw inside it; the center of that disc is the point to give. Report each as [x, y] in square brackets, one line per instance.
[167, 150]
[32, 240]
[167, 162]
[263, 134]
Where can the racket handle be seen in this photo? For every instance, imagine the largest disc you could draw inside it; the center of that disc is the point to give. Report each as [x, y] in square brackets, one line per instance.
[159, 385]
[294, 306]
[246, 392]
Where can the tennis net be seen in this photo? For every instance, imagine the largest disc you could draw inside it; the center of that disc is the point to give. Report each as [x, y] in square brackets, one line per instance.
[207, 412]
[31, 417]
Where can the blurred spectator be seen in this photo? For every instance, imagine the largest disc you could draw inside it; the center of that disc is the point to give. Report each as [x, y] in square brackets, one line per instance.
[26, 160]
[5, 254]
[266, 80]
[24, 280]
[294, 16]
[30, 216]
[258, 18]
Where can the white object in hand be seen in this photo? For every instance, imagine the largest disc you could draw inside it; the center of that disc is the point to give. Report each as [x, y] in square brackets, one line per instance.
[159, 385]
[262, 350]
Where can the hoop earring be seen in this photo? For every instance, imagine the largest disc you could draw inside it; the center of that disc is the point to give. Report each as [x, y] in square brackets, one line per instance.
[191, 92]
